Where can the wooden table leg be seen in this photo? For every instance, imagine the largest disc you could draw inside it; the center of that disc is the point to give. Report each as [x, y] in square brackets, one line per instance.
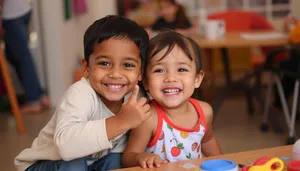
[226, 65]
[11, 93]
[208, 82]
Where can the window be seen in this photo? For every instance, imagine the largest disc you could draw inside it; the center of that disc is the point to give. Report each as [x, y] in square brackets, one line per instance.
[271, 9]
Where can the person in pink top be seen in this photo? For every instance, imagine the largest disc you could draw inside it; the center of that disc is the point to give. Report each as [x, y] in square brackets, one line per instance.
[180, 127]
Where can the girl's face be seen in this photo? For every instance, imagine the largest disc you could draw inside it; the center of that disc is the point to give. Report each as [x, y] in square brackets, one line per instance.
[168, 10]
[171, 81]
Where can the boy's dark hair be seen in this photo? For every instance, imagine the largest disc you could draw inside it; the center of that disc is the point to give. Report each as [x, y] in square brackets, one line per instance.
[168, 39]
[118, 27]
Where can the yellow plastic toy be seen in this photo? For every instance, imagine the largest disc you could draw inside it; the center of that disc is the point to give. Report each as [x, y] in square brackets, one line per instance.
[268, 165]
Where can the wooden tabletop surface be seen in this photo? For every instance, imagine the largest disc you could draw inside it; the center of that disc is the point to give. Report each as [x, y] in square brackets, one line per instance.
[235, 39]
[239, 158]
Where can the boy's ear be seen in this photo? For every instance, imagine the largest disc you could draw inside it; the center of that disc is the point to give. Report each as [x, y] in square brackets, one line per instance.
[199, 78]
[140, 76]
[85, 68]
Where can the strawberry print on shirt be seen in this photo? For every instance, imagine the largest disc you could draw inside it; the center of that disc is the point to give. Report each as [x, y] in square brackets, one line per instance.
[174, 143]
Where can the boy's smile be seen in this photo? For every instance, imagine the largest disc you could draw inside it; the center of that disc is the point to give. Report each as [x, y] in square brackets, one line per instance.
[115, 87]
[114, 68]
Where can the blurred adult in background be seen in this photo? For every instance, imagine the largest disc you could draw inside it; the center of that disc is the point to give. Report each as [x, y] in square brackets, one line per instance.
[172, 16]
[15, 15]
[121, 6]
[144, 13]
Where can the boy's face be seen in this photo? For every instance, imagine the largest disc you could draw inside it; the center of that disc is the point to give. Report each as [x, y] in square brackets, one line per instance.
[114, 68]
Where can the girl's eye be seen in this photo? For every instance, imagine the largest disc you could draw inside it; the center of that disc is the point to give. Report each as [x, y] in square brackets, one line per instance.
[182, 70]
[127, 65]
[159, 70]
[104, 63]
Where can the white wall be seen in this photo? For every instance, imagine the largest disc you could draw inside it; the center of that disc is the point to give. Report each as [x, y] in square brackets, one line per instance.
[63, 41]
[295, 4]
[35, 43]
[295, 8]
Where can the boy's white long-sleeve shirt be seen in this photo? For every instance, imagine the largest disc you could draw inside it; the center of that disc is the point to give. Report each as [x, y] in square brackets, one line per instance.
[77, 129]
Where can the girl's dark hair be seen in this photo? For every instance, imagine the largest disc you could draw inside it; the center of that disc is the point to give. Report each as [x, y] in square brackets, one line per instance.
[168, 39]
[113, 26]
[181, 17]
[197, 53]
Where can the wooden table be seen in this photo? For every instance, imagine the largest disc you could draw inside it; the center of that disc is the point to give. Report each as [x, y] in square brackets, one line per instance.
[230, 40]
[239, 158]
[235, 40]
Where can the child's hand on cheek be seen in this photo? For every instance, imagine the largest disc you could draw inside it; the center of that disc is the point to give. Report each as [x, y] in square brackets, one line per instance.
[150, 160]
[133, 112]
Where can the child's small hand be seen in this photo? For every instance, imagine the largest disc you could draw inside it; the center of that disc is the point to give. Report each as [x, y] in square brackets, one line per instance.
[134, 111]
[150, 160]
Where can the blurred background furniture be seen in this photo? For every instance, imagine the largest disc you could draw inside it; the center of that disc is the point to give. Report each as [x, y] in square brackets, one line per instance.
[275, 72]
[231, 40]
[242, 59]
[11, 93]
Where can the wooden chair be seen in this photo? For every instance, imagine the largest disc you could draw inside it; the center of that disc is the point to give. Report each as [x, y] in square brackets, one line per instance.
[274, 76]
[11, 93]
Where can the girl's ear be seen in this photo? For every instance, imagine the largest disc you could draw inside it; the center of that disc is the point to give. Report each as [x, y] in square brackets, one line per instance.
[145, 84]
[198, 79]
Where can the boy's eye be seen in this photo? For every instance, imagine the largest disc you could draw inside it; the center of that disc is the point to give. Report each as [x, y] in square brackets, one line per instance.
[159, 70]
[127, 65]
[104, 63]
[182, 70]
